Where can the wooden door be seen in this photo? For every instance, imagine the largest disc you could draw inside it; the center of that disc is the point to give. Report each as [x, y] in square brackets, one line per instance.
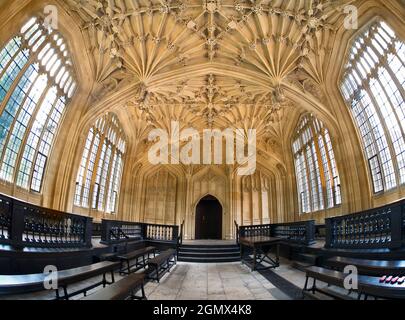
[209, 219]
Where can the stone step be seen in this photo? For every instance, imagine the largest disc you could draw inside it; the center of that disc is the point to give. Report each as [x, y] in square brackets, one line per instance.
[213, 246]
[213, 249]
[209, 253]
[208, 260]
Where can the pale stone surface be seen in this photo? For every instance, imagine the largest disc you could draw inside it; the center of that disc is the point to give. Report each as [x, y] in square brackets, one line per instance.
[230, 281]
[189, 281]
[289, 273]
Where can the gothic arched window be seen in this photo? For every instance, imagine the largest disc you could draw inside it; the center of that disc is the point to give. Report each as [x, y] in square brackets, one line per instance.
[36, 83]
[99, 176]
[318, 179]
[373, 87]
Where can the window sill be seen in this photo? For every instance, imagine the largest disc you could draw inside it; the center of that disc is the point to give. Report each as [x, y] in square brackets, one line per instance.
[398, 190]
[321, 211]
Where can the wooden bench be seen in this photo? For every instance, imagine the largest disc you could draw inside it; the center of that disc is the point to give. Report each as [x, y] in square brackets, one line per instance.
[161, 264]
[367, 285]
[35, 282]
[113, 256]
[126, 259]
[369, 267]
[122, 290]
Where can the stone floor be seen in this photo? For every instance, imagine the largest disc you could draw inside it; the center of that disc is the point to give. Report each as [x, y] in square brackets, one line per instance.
[230, 281]
[290, 274]
[190, 281]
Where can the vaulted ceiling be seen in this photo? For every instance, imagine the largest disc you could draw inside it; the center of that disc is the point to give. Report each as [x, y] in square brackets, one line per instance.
[209, 63]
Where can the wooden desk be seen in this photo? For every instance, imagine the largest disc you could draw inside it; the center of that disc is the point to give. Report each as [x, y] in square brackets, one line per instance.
[261, 246]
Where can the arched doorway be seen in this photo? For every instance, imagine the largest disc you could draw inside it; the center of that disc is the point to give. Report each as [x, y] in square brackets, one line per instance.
[208, 219]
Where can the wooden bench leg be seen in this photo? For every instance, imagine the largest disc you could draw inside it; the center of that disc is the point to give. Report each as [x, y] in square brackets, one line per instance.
[169, 265]
[128, 266]
[57, 294]
[154, 268]
[104, 281]
[306, 284]
[121, 267]
[143, 292]
[142, 297]
[157, 274]
[278, 255]
[305, 287]
[254, 260]
[65, 292]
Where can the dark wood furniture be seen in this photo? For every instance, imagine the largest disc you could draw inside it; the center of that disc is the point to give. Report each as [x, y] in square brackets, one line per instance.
[369, 267]
[72, 276]
[367, 285]
[118, 249]
[161, 264]
[113, 232]
[26, 225]
[140, 254]
[382, 227]
[261, 246]
[124, 289]
[302, 232]
[49, 237]
[65, 278]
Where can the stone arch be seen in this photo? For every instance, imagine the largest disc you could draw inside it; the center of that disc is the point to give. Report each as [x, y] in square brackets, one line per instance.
[209, 174]
[195, 203]
[13, 17]
[110, 119]
[356, 180]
